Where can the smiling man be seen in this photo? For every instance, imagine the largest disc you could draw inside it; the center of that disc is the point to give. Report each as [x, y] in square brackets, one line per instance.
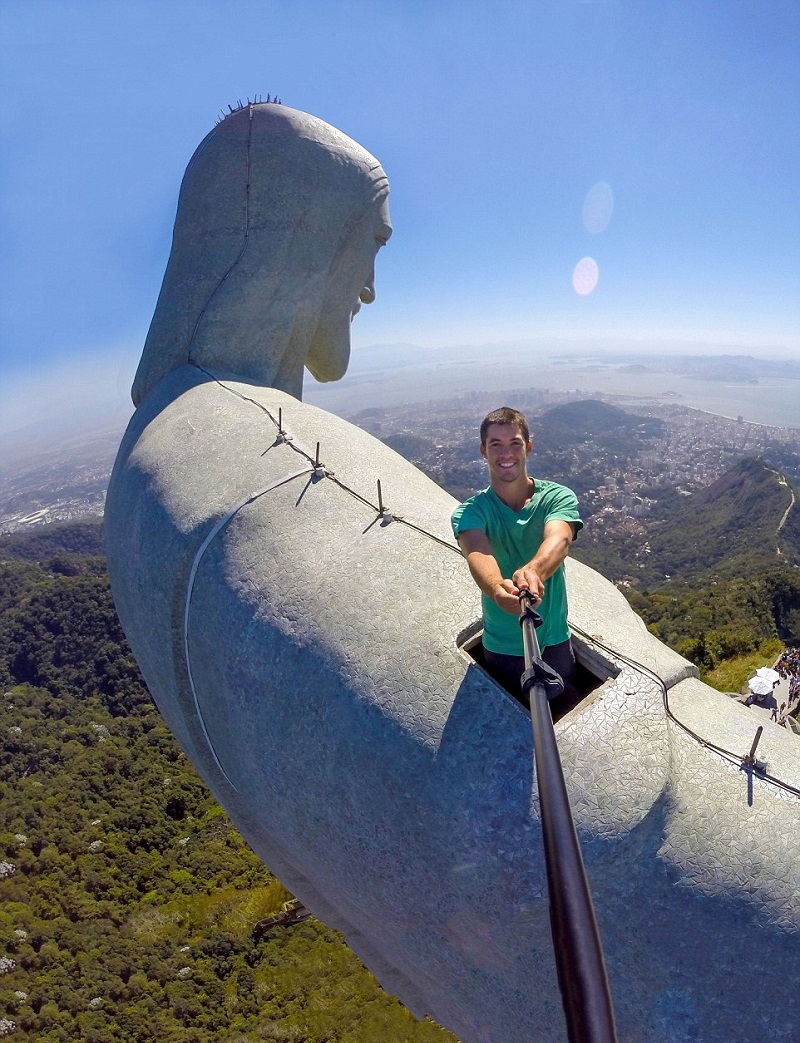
[515, 535]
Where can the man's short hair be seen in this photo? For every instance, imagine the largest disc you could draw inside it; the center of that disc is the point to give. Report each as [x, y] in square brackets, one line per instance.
[505, 415]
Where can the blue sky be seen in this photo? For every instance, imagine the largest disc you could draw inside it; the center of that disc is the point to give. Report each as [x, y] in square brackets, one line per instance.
[660, 140]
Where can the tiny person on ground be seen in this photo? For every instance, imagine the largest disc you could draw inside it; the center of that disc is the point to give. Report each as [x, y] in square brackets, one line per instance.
[515, 535]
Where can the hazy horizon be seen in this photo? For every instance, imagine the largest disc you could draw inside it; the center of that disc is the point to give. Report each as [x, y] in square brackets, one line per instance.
[74, 400]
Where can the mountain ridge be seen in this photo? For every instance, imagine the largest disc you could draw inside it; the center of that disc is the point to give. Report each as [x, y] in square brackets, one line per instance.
[734, 521]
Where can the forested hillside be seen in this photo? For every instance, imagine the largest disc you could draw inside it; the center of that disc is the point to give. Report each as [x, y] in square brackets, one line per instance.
[128, 900]
[743, 522]
[731, 553]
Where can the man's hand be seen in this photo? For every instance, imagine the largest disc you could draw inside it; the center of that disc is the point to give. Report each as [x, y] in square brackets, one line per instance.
[527, 578]
[506, 596]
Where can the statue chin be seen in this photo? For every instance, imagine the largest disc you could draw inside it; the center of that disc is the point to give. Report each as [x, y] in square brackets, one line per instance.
[329, 353]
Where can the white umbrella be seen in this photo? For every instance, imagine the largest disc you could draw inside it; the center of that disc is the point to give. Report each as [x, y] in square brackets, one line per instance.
[768, 674]
[759, 686]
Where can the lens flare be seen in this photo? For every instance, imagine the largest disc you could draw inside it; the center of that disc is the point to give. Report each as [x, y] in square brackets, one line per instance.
[598, 208]
[585, 276]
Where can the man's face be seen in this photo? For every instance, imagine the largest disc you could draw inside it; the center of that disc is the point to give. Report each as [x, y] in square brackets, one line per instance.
[506, 452]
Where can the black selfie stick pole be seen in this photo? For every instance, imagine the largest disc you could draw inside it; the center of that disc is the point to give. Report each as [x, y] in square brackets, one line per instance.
[580, 965]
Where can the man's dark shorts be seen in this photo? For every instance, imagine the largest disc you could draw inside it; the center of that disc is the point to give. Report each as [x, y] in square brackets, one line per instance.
[508, 669]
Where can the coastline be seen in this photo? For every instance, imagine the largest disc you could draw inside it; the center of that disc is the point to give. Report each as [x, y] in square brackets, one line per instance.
[771, 403]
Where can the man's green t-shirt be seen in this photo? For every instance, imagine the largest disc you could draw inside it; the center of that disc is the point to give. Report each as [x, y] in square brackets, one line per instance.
[514, 537]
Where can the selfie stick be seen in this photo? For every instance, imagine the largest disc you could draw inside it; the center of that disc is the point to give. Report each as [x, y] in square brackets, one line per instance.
[580, 965]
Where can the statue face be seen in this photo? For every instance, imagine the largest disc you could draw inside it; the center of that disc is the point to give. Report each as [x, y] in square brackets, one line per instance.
[352, 283]
[381, 232]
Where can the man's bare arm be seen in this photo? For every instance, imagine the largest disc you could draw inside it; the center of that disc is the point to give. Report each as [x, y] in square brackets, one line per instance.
[486, 572]
[558, 535]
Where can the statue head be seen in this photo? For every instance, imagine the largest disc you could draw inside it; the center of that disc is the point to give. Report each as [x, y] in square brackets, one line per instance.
[279, 219]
